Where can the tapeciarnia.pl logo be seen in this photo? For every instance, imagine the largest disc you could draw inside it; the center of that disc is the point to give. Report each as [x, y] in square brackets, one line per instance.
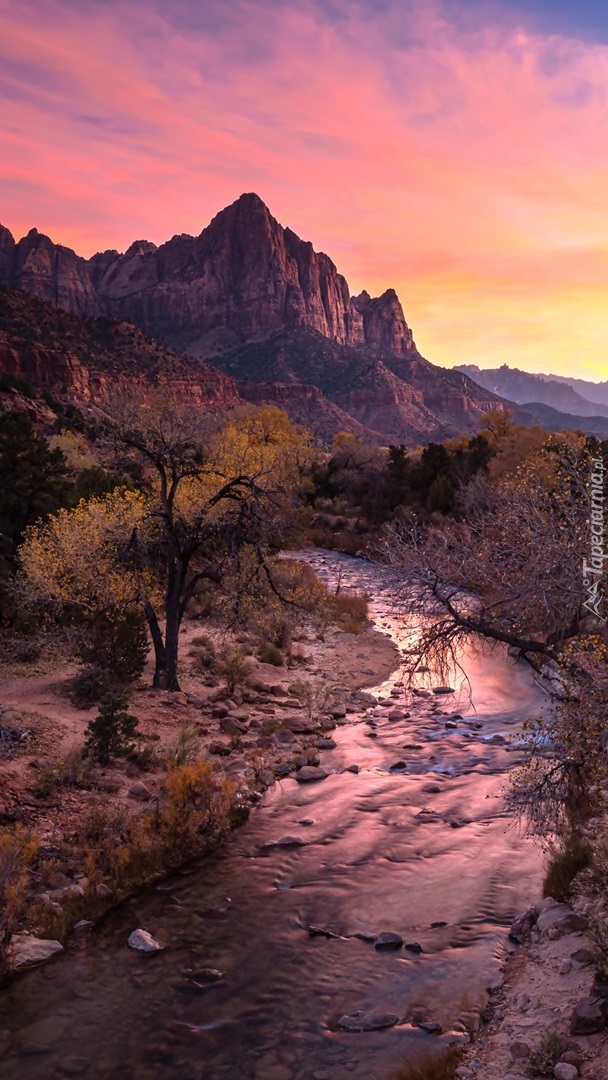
[593, 570]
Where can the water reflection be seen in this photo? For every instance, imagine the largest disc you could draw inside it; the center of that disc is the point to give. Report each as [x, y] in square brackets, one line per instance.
[386, 850]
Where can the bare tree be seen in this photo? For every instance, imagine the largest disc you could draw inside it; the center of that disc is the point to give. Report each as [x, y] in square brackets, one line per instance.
[509, 572]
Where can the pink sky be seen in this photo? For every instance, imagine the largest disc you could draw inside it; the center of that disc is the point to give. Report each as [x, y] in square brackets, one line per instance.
[464, 163]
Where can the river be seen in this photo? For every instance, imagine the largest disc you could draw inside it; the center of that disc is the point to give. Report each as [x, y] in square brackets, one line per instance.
[386, 850]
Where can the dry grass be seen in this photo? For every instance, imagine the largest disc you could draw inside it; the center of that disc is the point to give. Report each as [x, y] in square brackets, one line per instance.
[442, 1067]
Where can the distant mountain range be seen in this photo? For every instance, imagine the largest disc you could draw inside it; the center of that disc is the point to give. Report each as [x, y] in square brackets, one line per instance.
[251, 298]
[576, 396]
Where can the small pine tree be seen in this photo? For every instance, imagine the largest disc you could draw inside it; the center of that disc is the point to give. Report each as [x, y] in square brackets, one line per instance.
[109, 734]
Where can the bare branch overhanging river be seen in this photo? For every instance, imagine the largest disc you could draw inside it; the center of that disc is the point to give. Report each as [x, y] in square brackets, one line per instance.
[387, 850]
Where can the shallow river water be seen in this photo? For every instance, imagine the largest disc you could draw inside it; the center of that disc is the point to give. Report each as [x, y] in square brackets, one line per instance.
[386, 851]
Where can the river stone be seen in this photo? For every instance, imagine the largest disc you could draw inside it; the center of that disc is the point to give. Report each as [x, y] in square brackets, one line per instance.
[310, 756]
[519, 1051]
[564, 1071]
[396, 714]
[388, 940]
[282, 737]
[220, 747]
[581, 958]
[219, 711]
[433, 1027]
[325, 744]
[301, 725]
[414, 946]
[399, 766]
[367, 1021]
[26, 950]
[443, 690]
[142, 941]
[589, 1016]
[40, 1037]
[140, 791]
[286, 841]
[309, 773]
[230, 726]
[206, 974]
[352, 769]
[561, 917]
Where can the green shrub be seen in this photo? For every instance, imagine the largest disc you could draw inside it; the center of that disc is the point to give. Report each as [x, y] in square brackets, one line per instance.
[109, 734]
[349, 610]
[564, 864]
[117, 643]
[186, 745]
[89, 686]
[234, 669]
[544, 1059]
[271, 654]
[205, 656]
[25, 622]
[29, 652]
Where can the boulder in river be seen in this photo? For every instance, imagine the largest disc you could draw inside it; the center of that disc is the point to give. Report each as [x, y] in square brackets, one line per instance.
[286, 841]
[367, 1021]
[443, 690]
[388, 940]
[27, 951]
[142, 941]
[310, 773]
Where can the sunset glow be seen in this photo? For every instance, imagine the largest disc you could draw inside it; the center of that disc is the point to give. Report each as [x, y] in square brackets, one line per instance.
[455, 152]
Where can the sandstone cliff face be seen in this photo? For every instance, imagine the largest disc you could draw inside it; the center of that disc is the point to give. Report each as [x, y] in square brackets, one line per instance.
[245, 275]
[261, 303]
[89, 362]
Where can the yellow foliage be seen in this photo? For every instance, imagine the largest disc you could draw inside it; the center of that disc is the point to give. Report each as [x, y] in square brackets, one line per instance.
[75, 450]
[78, 556]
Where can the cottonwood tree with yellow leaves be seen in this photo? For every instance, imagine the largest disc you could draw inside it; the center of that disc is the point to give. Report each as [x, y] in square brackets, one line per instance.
[208, 492]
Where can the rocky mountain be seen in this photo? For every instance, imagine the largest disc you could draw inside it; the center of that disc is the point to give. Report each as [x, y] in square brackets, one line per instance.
[592, 391]
[86, 361]
[523, 388]
[244, 277]
[253, 298]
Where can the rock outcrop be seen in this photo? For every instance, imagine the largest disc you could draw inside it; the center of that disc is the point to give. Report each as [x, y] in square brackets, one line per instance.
[244, 277]
[253, 298]
[91, 361]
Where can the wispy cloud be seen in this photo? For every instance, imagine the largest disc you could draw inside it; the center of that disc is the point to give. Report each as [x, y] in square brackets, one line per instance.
[462, 160]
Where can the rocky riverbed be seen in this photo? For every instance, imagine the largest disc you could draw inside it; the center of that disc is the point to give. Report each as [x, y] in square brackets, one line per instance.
[403, 833]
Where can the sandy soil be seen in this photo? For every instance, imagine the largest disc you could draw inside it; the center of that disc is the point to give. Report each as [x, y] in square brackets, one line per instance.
[544, 981]
[34, 700]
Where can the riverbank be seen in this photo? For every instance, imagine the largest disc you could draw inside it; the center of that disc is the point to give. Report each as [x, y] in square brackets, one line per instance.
[548, 1015]
[258, 733]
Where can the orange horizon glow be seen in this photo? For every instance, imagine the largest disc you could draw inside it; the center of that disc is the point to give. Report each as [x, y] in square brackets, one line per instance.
[466, 167]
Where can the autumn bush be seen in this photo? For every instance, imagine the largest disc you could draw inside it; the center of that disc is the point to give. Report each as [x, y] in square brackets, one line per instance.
[18, 852]
[565, 862]
[196, 809]
[271, 654]
[350, 610]
[234, 667]
[440, 1067]
[315, 695]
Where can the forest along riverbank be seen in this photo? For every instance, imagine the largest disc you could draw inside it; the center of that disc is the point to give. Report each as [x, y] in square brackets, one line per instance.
[404, 836]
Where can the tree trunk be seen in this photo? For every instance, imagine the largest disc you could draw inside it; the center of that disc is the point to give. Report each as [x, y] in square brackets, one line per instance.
[160, 653]
[172, 624]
